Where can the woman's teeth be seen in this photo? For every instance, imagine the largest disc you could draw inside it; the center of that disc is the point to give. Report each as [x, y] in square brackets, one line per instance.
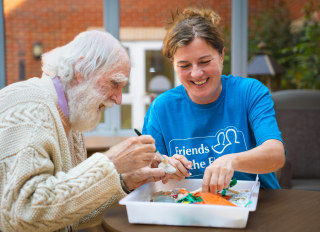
[200, 82]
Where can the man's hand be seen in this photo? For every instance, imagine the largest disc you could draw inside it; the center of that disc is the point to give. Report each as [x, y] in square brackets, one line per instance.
[132, 154]
[142, 176]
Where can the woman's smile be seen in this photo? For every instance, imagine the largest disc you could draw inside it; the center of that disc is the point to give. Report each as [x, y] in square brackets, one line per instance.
[200, 83]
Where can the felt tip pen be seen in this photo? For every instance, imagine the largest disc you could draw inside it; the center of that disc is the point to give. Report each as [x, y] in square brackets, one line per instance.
[164, 160]
[157, 153]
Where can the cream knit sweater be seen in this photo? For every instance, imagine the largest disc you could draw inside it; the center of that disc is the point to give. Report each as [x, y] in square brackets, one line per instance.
[46, 182]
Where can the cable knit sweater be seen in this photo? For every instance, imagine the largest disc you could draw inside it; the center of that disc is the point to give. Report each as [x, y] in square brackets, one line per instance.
[46, 182]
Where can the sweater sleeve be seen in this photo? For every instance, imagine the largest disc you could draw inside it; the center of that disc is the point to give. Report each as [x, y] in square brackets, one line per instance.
[36, 194]
[95, 218]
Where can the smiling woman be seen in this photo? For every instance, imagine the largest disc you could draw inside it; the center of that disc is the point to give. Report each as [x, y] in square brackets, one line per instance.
[208, 105]
[195, 46]
[199, 67]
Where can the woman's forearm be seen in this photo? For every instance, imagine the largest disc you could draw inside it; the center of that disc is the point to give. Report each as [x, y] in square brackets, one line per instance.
[268, 157]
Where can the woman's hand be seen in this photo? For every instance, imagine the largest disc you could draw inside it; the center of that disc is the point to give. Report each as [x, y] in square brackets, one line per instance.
[182, 165]
[133, 153]
[218, 175]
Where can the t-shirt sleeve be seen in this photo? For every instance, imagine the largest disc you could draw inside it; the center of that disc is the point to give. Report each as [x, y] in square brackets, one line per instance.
[152, 127]
[261, 113]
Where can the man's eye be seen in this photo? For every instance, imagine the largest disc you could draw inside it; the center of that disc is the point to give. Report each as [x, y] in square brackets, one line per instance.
[115, 84]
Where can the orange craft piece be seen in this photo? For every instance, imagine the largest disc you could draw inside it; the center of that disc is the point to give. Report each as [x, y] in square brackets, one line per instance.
[213, 199]
[183, 191]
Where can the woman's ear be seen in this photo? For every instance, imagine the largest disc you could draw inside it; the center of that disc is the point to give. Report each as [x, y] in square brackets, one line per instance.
[222, 55]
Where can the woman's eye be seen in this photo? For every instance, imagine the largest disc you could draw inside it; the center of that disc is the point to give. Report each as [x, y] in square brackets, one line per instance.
[184, 66]
[205, 62]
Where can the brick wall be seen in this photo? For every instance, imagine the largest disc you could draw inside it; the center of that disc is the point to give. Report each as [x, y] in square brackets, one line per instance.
[56, 22]
[155, 13]
[52, 23]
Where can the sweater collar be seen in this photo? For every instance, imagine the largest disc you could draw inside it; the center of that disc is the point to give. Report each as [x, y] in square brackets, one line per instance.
[62, 101]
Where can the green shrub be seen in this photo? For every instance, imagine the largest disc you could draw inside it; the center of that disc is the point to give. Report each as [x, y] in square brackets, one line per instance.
[298, 51]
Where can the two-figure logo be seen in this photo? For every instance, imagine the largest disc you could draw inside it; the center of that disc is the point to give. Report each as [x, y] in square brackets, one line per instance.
[225, 138]
[202, 151]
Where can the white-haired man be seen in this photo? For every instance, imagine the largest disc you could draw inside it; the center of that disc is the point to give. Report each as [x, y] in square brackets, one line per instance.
[46, 181]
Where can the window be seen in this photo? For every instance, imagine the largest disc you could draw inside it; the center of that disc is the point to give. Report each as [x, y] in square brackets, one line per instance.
[159, 72]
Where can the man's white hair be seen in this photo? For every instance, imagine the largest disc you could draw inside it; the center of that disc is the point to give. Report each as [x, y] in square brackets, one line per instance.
[91, 53]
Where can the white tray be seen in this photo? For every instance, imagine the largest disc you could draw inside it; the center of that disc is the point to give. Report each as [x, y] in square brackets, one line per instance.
[141, 210]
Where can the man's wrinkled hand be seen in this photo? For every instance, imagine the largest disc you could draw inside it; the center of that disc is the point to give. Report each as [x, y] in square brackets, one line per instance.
[133, 153]
[142, 176]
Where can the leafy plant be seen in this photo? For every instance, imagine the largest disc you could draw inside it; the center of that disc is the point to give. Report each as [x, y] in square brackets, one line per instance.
[303, 57]
[297, 51]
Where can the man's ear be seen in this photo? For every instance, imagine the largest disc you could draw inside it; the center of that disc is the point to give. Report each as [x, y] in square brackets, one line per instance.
[78, 77]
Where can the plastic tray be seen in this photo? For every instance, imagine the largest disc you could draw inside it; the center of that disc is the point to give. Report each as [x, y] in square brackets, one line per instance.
[141, 210]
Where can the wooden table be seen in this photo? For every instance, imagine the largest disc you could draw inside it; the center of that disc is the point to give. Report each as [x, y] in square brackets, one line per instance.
[277, 210]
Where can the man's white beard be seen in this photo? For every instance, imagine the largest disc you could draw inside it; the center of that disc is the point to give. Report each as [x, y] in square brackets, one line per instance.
[84, 101]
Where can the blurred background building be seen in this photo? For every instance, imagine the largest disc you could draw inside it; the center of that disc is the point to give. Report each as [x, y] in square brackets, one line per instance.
[36, 26]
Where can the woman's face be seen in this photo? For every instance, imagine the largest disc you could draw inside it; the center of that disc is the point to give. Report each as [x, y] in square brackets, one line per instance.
[199, 67]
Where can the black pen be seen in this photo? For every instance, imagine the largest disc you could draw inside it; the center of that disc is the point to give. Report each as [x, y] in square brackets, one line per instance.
[164, 160]
[137, 132]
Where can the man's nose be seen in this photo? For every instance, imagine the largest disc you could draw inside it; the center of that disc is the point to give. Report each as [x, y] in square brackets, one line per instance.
[117, 98]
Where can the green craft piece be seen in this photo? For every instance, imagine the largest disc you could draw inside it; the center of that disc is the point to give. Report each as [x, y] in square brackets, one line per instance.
[233, 182]
[249, 202]
[190, 198]
[223, 192]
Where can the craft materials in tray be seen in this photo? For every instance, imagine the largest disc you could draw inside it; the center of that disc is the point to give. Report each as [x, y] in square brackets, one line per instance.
[141, 207]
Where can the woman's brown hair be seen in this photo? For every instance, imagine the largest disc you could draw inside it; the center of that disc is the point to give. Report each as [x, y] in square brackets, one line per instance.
[189, 24]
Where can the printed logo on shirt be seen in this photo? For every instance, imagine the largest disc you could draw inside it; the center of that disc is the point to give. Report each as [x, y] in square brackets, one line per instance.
[202, 151]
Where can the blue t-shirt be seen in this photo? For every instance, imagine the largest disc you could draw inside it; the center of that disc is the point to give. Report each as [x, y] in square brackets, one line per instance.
[240, 119]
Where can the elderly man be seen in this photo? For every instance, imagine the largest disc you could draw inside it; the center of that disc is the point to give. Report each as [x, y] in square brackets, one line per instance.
[46, 181]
